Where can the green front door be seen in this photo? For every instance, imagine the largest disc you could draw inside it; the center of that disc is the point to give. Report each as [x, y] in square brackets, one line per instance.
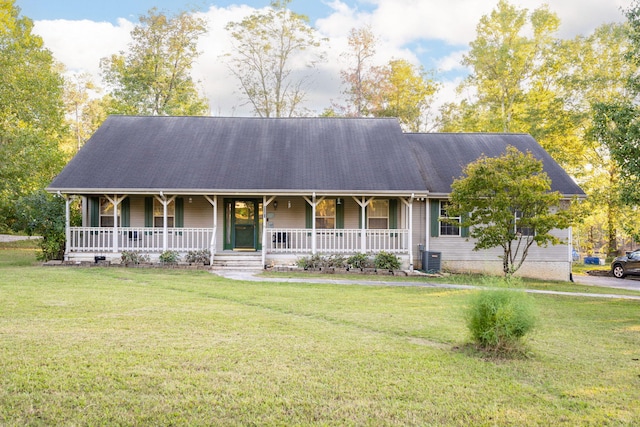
[242, 224]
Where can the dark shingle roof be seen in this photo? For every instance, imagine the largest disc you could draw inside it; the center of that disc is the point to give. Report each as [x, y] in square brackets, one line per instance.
[244, 155]
[443, 156]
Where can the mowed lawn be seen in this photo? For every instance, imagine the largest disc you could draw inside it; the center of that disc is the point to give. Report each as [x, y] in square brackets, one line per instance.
[115, 346]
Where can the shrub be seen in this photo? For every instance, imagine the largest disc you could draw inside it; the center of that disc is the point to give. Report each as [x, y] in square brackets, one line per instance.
[386, 261]
[313, 261]
[335, 261]
[201, 256]
[359, 260]
[169, 257]
[43, 214]
[132, 257]
[499, 318]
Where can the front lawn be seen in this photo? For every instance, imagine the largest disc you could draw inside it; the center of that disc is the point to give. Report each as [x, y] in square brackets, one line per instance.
[115, 346]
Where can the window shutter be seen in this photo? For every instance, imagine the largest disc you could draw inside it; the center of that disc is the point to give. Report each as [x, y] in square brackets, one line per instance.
[179, 219]
[148, 211]
[393, 214]
[125, 211]
[340, 214]
[464, 231]
[94, 211]
[307, 216]
[434, 215]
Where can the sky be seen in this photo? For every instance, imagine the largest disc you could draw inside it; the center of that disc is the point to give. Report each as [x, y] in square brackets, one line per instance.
[433, 34]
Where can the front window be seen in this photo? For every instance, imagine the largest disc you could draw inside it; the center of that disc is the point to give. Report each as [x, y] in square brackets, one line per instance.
[522, 230]
[326, 214]
[450, 227]
[158, 213]
[378, 214]
[106, 213]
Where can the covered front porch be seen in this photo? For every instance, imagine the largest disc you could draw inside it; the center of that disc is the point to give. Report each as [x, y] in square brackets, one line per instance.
[276, 226]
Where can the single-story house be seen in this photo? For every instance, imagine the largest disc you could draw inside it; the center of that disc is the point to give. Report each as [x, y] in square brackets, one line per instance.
[270, 191]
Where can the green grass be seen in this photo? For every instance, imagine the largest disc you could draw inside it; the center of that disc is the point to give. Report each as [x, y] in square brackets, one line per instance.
[114, 346]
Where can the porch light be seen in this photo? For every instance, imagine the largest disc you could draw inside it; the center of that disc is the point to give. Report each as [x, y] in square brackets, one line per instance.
[190, 200]
[339, 201]
[275, 205]
[289, 204]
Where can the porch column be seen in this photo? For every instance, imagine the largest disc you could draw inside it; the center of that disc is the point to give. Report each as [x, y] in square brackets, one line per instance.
[115, 201]
[314, 238]
[363, 231]
[212, 245]
[165, 230]
[409, 205]
[313, 202]
[67, 225]
[265, 203]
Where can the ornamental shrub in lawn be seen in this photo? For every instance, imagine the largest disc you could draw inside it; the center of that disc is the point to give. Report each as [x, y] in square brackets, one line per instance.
[499, 318]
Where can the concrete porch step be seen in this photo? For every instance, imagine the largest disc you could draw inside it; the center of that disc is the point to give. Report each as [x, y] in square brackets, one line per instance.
[237, 261]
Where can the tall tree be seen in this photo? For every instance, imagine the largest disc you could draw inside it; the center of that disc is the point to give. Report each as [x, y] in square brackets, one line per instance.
[616, 121]
[153, 78]
[403, 91]
[265, 46]
[515, 66]
[77, 98]
[507, 202]
[359, 75]
[601, 78]
[31, 112]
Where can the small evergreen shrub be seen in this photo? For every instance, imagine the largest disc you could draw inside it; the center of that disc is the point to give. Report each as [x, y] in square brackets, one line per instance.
[335, 261]
[133, 257]
[169, 257]
[313, 261]
[386, 261]
[202, 256]
[499, 318]
[359, 260]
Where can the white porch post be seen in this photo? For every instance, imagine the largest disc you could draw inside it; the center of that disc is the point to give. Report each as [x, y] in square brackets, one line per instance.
[265, 203]
[363, 230]
[314, 239]
[67, 225]
[165, 230]
[313, 202]
[212, 245]
[115, 201]
[409, 205]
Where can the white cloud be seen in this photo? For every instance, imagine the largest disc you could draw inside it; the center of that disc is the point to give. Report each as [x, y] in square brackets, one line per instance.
[80, 45]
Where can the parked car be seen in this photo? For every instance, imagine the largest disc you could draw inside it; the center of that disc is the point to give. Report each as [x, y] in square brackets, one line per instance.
[626, 264]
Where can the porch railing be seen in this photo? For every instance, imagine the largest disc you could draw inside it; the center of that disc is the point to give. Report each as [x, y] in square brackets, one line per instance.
[295, 240]
[145, 239]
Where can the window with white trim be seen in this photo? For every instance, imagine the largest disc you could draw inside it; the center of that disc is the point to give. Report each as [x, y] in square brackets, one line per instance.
[326, 214]
[378, 214]
[448, 227]
[106, 213]
[522, 230]
[158, 213]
